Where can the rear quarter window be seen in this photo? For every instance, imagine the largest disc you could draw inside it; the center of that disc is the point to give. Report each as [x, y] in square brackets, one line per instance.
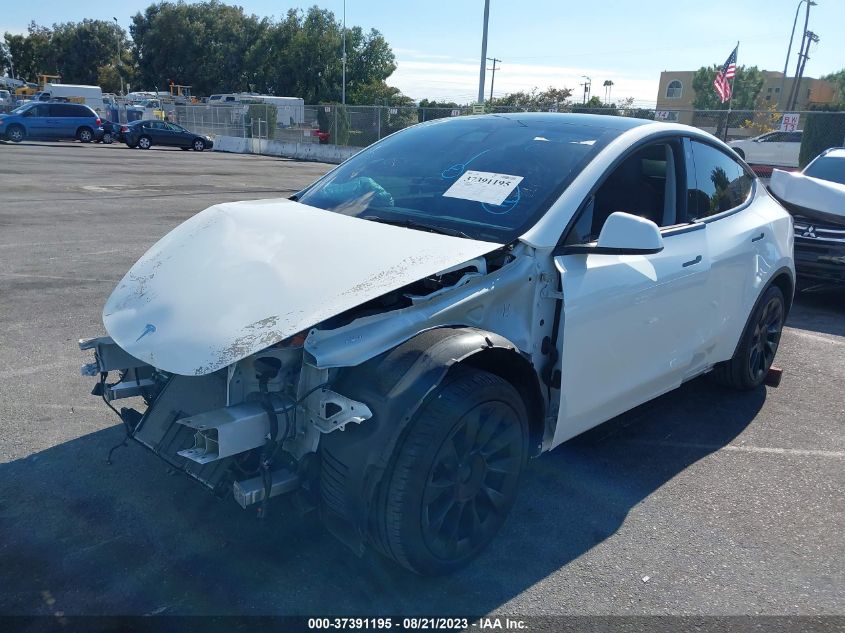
[715, 182]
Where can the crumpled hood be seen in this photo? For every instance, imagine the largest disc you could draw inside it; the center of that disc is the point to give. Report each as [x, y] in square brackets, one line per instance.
[821, 200]
[241, 276]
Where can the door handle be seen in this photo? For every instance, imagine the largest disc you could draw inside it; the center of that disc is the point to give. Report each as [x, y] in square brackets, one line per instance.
[692, 262]
[758, 238]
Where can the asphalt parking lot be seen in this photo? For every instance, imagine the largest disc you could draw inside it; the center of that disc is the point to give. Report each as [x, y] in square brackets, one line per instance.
[701, 502]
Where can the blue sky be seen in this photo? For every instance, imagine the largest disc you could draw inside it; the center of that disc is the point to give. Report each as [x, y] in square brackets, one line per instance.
[542, 42]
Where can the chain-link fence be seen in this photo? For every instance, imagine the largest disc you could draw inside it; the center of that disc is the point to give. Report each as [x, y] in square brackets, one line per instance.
[360, 126]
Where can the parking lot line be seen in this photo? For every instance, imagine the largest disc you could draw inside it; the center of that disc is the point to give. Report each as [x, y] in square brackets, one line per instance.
[798, 452]
[111, 281]
[836, 340]
[26, 371]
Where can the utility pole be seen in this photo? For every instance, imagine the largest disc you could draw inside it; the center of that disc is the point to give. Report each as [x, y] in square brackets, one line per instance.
[586, 85]
[483, 52]
[343, 80]
[789, 51]
[811, 38]
[493, 76]
[793, 93]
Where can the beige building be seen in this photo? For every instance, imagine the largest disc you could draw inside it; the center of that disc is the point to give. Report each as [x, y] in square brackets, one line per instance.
[675, 96]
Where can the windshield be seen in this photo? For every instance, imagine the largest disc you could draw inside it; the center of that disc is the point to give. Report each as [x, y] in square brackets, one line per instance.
[825, 168]
[21, 108]
[490, 178]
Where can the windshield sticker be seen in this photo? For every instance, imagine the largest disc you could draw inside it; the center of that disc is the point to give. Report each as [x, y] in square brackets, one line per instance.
[483, 186]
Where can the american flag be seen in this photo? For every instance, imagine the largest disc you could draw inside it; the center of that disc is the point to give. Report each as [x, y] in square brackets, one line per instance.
[722, 83]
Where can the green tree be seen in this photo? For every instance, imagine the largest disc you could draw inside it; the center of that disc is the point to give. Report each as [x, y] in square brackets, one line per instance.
[203, 45]
[746, 88]
[82, 48]
[75, 50]
[218, 48]
[31, 53]
[551, 98]
[838, 81]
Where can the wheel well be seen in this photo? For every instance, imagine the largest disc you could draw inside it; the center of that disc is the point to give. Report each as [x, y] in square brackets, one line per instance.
[83, 127]
[787, 287]
[512, 367]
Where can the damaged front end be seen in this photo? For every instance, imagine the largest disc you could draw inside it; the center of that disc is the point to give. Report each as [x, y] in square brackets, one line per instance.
[233, 328]
[250, 429]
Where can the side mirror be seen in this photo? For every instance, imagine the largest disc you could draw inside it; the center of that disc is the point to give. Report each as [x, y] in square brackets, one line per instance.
[623, 234]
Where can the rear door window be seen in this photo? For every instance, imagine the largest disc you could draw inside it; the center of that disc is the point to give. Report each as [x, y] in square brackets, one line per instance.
[63, 110]
[715, 182]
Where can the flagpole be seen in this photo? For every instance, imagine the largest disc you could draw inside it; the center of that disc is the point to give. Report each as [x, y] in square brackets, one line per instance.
[731, 97]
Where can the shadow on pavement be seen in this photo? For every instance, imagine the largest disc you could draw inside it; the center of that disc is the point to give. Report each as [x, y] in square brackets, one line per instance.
[81, 537]
[819, 310]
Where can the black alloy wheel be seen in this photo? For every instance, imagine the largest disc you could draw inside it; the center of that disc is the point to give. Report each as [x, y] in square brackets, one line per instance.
[455, 475]
[754, 355]
[765, 339]
[475, 471]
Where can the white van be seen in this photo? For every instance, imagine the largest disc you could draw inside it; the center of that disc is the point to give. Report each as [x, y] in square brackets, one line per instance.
[92, 96]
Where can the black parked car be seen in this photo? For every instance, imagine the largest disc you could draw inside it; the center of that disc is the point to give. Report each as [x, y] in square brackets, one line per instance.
[145, 134]
[108, 132]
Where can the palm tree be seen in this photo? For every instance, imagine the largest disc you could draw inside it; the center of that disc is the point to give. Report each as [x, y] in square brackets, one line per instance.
[608, 84]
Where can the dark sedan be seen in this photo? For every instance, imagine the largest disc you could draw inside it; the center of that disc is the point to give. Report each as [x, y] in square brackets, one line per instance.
[145, 134]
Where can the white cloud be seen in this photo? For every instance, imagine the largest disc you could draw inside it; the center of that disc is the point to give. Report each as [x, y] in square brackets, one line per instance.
[458, 80]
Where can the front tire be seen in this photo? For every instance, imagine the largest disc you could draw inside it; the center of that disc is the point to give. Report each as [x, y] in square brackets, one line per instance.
[759, 344]
[15, 133]
[455, 475]
[199, 145]
[108, 139]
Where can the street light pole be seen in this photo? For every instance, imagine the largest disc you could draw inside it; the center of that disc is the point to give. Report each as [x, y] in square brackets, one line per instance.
[117, 63]
[483, 53]
[343, 87]
[789, 48]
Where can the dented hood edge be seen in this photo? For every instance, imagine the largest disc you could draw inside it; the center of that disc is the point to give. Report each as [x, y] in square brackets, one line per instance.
[239, 277]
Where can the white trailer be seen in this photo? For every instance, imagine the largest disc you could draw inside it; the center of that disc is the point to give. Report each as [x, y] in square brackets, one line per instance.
[290, 110]
[91, 96]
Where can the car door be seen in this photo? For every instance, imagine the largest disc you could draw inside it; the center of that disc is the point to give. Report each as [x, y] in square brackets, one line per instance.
[774, 149]
[37, 120]
[157, 132]
[633, 326]
[720, 192]
[179, 136]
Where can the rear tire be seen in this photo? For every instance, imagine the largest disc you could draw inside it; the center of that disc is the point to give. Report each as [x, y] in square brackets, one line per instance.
[85, 134]
[108, 139]
[144, 142]
[758, 345]
[455, 474]
[15, 133]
